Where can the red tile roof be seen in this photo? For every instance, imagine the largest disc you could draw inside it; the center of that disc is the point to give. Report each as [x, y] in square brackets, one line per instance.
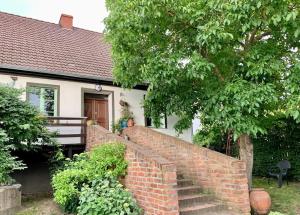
[34, 45]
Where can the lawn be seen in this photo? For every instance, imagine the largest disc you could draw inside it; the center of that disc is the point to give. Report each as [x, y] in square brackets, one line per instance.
[286, 199]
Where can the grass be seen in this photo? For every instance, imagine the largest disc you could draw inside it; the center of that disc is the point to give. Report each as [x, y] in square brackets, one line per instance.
[286, 199]
[38, 206]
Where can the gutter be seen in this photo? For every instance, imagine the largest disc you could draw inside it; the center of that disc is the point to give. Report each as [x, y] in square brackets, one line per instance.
[43, 73]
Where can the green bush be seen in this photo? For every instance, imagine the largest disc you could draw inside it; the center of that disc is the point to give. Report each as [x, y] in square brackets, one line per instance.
[107, 159]
[8, 163]
[281, 143]
[21, 125]
[106, 196]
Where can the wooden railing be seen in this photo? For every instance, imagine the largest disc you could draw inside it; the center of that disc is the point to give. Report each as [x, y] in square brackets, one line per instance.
[73, 128]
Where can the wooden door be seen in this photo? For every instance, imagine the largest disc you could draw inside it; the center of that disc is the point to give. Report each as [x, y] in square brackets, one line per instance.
[97, 110]
[88, 109]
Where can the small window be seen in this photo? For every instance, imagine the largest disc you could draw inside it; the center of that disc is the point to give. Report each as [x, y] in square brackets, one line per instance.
[163, 122]
[44, 98]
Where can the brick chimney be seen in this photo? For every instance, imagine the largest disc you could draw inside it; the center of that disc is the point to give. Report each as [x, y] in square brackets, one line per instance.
[66, 21]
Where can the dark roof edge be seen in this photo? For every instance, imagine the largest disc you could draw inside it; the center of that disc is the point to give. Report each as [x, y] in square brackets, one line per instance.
[26, 71]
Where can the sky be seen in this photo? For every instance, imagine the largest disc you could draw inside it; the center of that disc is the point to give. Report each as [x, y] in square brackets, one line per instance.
[87, 14]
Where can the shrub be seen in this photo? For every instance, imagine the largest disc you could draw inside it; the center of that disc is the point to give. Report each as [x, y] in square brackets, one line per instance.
[107, 159]
[20, 126]
[8, 163]
[281, 143]
[106, 196]
[22, 123]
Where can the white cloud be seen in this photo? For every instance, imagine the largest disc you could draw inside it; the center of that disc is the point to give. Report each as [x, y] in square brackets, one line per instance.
[88, 14]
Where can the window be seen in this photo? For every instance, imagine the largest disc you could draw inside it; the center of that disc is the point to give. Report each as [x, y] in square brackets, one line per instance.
[44, 98]
[163, 122]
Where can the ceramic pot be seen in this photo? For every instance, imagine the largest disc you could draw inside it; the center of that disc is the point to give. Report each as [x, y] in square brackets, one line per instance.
[260, 201]
[130, 123]
[123, 124]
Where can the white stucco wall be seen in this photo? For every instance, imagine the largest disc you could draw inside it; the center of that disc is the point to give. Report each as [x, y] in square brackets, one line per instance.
[70, 100]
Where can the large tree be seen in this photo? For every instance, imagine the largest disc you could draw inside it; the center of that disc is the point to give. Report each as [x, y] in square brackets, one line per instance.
[233, 62]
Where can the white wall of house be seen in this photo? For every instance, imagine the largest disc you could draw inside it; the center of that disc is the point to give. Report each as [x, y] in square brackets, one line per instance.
[70, 100]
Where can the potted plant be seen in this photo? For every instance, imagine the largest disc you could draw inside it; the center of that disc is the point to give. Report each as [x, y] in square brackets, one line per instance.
[127, 119]
[130, 122]
[116, 128]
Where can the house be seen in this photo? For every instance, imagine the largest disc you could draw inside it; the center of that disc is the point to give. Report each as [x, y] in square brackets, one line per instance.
[67, 72]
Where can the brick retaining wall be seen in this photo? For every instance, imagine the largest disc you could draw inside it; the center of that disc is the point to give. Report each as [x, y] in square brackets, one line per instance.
[150, 177]
[221, 174]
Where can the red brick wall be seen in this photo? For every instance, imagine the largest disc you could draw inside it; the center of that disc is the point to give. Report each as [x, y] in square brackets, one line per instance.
[150, 177]
[223, 175]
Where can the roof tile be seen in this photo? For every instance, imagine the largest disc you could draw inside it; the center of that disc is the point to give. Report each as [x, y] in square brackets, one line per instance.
[35, 44]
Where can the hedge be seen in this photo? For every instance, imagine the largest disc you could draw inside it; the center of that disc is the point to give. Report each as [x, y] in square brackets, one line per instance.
[281, 143]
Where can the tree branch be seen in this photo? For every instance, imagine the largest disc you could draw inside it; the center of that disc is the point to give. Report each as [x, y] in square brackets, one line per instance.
[259, 37]
[217, 72]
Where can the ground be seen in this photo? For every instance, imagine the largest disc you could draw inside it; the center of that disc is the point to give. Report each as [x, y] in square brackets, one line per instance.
[285, 199]
[42, 206]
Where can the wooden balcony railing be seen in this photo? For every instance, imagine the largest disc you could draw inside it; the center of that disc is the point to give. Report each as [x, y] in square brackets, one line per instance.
[70, 130]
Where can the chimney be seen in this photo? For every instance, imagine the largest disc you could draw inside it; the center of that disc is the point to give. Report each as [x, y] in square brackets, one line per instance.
[66, 21]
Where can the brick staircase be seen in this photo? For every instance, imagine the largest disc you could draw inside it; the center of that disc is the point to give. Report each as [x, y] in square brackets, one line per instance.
[193, 201]
[157, 161]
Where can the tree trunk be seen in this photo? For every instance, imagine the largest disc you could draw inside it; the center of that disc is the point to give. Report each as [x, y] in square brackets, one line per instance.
[246, 154]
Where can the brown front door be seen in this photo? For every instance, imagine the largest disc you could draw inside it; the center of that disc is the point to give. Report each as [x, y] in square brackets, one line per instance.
[97, 110]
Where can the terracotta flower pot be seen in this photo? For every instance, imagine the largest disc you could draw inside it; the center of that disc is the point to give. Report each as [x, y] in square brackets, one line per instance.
[130, 123]
[260, 201]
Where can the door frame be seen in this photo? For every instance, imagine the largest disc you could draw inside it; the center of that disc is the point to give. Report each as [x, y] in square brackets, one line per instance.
[111, 101]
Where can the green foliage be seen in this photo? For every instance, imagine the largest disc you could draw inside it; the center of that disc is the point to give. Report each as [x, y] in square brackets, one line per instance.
[22, 123]
[83, 169]
[235, 62]
[106, 196]
[57, 160]
[281, 143]
[275, 213]
[8, 162]
[116, 127]
[20, 126]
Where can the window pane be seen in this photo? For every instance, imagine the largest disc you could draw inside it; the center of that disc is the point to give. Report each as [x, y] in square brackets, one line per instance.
[34, 97]
[44, 98]
[49, 94]
[49, 106]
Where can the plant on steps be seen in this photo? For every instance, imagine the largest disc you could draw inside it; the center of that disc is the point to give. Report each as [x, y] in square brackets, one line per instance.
[106, 196]
[106, 159]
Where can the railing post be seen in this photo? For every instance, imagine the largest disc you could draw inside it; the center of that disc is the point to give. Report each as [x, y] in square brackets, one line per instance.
[79, 122]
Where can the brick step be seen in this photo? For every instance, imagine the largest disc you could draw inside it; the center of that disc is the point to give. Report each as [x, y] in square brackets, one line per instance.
[193, 202]
[188, 190]
[194, 199]
[210, 208]
[184, 182]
